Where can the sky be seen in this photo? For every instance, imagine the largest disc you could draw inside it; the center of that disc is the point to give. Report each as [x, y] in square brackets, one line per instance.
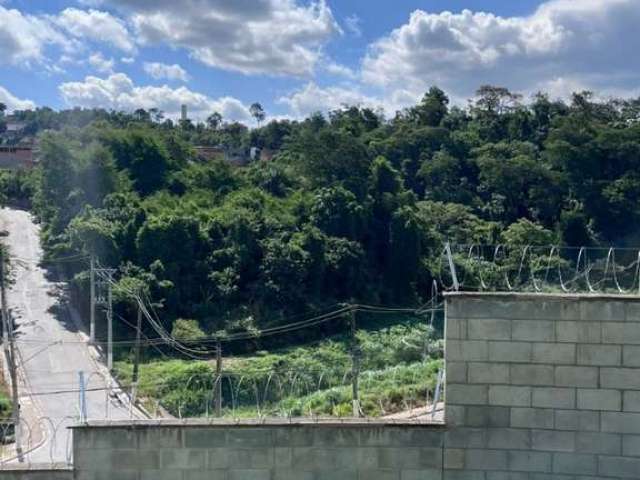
[296, 57]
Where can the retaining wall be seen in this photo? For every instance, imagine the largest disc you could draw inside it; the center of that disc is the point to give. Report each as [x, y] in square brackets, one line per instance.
[543, 384]
[36, 474]
[197, 451]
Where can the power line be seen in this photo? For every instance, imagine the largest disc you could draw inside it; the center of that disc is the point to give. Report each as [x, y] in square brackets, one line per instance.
[286, 328]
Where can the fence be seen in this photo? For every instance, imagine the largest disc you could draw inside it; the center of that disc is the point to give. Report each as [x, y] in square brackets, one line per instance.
[530, 268]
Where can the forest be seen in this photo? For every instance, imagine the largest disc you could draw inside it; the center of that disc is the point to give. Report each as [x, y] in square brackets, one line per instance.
[354, 207]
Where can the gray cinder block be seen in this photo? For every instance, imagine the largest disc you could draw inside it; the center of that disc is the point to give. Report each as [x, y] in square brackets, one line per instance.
[533, 330]
[553, 397]
[599, 355]
[510, 352]
[576, 376]
[529, 461]
[575, 463]
[531, 418]
[599, 399]
[532, 374]
[582, 421]
[489, 329]
[554, 353]
[620, 467]
[504, 395]
[490, 373]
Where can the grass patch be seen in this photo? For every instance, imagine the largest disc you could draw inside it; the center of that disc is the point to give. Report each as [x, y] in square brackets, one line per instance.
[398, 366]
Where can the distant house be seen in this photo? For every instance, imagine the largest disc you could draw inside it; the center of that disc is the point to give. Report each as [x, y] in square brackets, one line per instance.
[17, 156]
[266, 154]
[209, 153]
[14, 127]
[235, 156]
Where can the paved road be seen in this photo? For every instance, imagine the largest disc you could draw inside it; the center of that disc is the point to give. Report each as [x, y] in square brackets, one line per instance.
[52, 350]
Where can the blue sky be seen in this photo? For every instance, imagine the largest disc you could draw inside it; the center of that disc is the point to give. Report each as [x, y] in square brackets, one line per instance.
[300, 56]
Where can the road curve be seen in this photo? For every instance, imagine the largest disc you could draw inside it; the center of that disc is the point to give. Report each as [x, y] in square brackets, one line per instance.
[51, 350]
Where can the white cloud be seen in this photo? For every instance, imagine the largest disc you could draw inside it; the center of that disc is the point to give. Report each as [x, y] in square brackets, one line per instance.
[96, 25]
[14, 103]
[161, 70]
[100, 63]
[593, 43]
[24, 38]
[278, 37]
[118, 92]
[127, 60]
[340, 70]
[313, 98]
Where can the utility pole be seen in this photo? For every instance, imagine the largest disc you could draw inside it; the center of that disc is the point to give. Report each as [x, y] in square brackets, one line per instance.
[106, 281]
[110, 328]
[355, 364]
[10, 355]
[92, 313]
[136, 358]
[218, 382]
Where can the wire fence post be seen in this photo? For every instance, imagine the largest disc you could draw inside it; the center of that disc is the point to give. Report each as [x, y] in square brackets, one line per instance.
[452, 267]
[82, 397]
[218, 381]
[136, 361]
[436, 396]
[355, 365]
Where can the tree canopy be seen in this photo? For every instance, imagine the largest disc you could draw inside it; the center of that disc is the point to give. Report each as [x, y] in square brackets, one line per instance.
[353, 205]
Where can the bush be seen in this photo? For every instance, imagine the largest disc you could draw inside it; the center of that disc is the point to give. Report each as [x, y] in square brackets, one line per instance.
[184, 329]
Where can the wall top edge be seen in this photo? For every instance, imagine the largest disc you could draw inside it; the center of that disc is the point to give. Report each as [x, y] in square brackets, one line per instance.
[253, 423]
[545, 295]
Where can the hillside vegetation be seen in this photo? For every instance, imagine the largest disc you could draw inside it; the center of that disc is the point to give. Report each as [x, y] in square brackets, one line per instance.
[354, 207]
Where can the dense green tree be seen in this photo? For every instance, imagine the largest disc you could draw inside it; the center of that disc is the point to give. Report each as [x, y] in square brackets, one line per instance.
[351, 206]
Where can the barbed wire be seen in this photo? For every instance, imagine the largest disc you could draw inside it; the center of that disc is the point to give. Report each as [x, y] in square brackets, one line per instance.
[543, 268]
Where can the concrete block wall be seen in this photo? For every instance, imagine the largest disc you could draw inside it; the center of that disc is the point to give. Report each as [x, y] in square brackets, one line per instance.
[542, 386]
[199, 451]
[34, 472]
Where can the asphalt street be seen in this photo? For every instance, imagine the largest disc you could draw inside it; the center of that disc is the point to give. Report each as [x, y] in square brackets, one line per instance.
[52, 350]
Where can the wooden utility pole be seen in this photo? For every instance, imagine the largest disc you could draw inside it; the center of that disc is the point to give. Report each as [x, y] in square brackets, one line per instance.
[110, 328]
[355, 365]
[218, 381]
[92, 313]
[10, 354]
[136, 357]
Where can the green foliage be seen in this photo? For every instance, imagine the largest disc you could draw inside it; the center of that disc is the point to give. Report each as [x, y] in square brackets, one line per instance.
[526, 232]
[352, 207]
[184, 329]
[399, 364]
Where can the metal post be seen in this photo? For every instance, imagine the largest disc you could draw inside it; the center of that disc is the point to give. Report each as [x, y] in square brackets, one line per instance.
[452, 267]
[108, 402]
[436, 396]
[92, 313]
[83, 397]
[110, 328]
[218, 383]
[355, 366]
